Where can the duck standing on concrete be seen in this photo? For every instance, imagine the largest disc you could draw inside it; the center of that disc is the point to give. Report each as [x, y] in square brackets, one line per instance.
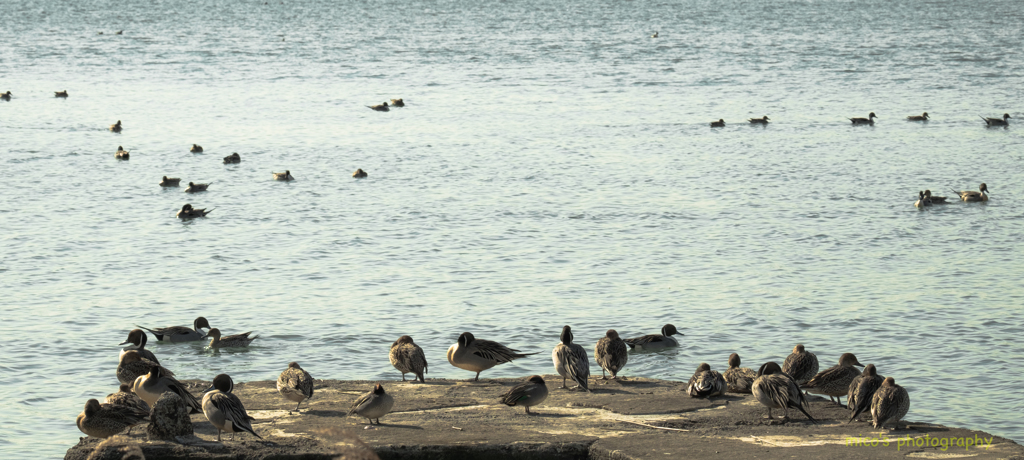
[706, 383]
[170, 181]
[759, 121]
[922, 117]
[890, 404]
[295, 384]
[835, 381]
[970, 195]
[922, 201]
[934, 199]
[151, 386]
[236, 340]
[775, 389]
[1005, 121]
[477, 355]
[60, 93]
[530, 393]
[116, 127]
[132, 365]
[739, 379]
[196, 148]
[870, 120]
[382, 107]
[802, 365]
[655, 341]
[188, 212]
[178, 334]
[137, 338]
[373, 405]
[234, 158]
[287, 175]
[862, 391]
[611, 354]
[224, 410]
[408, 358]
[718, 124]
[571, 361]
[105, 420]
[194, 187]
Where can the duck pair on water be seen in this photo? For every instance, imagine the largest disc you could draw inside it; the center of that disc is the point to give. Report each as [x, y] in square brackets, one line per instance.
[925, 198]
[754, 121]
[384, 107]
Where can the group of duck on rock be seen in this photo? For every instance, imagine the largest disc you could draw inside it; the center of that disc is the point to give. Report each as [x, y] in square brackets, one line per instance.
[144, 380]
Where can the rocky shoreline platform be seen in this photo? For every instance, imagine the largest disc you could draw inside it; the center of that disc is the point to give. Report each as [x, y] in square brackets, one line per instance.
[631, 418]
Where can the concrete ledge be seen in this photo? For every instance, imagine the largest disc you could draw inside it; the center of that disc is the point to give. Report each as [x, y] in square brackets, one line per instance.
[636, 418]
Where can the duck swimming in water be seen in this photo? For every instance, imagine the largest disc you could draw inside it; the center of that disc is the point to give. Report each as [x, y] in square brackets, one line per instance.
[718, 124]
[236, 340]
[969, 195]
[382, 107]
[6, 96]
[188, 212]
[196, 149]
[655, 341]
[998, 121]
[922, 117]
[397, 103]
[170, 181]
[759, 121]
[286, 176]
[922, 201]
[234, 158]
[935, 199]
[121, 154]
[870, 120]
[116, 127]
[178, 334]
[194, 187]
[60, 93]
[359, 174]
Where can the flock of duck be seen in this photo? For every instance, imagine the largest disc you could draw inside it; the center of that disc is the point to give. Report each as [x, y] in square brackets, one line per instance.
[143, 379]
[870, 120]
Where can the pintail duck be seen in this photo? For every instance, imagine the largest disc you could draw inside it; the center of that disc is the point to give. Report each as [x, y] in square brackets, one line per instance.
[177, 334]
[862, 390]
[116, 127]
[105, 420]
[718, 124]
[870, 120]
[571, 361]
[121, 153]
[196, 149]
[776, 389]
[194, 187]
[922, 201]
[170, 181]
[60, 93]
[611, 354]
[234, 158]
[802, 365]
[188, 212]
[655, 341]
[359, 174]
[236, 340]
[120, 32]
[138, 340]
[224, 410]
[287, 175]
[295, 384]
[739, 378]
[890, 404]
[922, 117]
[531, 392]
[132, 365]
[151, 386]
[706, 383]
[478, 355]
[408, 358]
[967, 195]
[759, 121]
[935, 199]
[6, 96]
[382, 107]
[397, 103]
[998, 121]
[655, 35]
[835, 381]
[125, 397]
[373, 405]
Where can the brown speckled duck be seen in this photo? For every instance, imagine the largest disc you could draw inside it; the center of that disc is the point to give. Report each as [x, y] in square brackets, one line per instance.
[739, 378]
[295, 384]
[921, 117]
[970, 195]
[802, 365]
[408, 358]
[835, 381]
[890, 404]
[611, 353]
[105, 420]
[234, 158]
[759, 121]
[236, 340]
[862, 391]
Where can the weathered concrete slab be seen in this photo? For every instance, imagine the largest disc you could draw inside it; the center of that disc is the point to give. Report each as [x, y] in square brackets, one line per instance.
[630, 419]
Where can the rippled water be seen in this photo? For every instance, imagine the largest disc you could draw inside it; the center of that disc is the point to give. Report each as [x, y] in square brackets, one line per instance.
[553, 166]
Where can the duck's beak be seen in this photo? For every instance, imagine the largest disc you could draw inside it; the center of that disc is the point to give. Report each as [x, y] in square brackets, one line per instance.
[209, 389]
[126, 342]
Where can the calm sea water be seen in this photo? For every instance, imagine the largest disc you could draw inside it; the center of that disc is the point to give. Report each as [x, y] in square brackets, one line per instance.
[554, 166]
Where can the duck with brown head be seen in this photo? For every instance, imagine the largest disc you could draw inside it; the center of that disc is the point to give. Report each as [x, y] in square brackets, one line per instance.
[835, 381]
[188, 212]
[759, 121]
[295, 384]
[531, 392]
[970, 195]
[408, 358]
[611, 353]
[116, 127]
[862, 390]
[382, 107]
[132, 365]
[802, 365]
[889, 404]
[922, 117]
[477, 355]
[739, 379]
[170, 181]
[105, 420]
[235, 340]
[776, 389]
[373, 405]
[706, 383]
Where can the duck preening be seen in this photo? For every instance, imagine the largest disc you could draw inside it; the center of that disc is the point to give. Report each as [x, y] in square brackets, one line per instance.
[776, 389]
[408, 358]
[295, 384]
[611, 354]
[234, 158]
[922, 200]
[188, 212]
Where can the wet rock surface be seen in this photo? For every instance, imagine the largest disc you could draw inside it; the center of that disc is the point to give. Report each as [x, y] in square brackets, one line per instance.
[635, 418]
